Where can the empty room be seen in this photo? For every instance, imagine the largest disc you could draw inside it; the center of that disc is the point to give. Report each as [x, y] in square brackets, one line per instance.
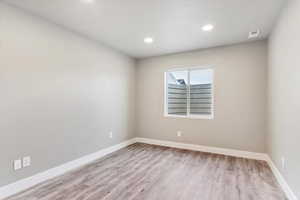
[149, 100]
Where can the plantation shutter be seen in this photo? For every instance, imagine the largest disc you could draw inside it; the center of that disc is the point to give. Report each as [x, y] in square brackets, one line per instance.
[201, 99]
[177, 99]
[189, 93]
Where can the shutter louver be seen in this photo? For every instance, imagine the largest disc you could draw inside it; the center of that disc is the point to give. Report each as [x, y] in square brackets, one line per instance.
[200, 99]
[177, 99]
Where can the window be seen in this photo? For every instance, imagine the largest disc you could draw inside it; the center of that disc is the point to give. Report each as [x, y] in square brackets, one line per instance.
[189, 93]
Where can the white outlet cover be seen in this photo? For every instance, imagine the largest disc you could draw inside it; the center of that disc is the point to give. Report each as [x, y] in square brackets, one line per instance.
[179, 133]
[110, 135]
[17, 164]
[254, 34]
[26, 161]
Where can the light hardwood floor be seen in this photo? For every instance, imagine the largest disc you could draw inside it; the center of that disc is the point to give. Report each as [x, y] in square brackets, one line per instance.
[150, 172]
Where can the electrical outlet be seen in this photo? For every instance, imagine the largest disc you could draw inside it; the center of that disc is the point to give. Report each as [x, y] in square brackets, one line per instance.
[110, 134]
[178, 133]
[283, 162]
[17, 164]
[254, 34]
[26, 161]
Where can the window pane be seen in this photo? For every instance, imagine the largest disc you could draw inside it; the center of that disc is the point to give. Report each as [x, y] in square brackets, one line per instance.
[177, 92]
[201, 91]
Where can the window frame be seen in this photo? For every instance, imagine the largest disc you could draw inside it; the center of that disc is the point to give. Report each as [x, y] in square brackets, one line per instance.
[188, 116]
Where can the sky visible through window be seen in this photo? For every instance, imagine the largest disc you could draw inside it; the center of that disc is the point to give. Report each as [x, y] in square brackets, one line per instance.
[199, 76]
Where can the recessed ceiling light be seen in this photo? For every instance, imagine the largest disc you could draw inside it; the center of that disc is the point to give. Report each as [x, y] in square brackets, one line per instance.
[207, 27]
[87, 1]
[148, 40]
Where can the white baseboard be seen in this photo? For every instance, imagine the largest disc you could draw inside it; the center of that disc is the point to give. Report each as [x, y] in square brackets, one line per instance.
[26, 183]
[194, 147]
[285, 187]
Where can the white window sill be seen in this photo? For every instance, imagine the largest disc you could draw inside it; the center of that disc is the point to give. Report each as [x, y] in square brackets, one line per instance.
[190, 116]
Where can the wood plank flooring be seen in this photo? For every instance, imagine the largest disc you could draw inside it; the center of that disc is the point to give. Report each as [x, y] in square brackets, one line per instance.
[148, 172]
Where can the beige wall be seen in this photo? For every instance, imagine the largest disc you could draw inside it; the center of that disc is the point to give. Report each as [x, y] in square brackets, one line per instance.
[60, 95]
[240, 98]
[284, 94]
